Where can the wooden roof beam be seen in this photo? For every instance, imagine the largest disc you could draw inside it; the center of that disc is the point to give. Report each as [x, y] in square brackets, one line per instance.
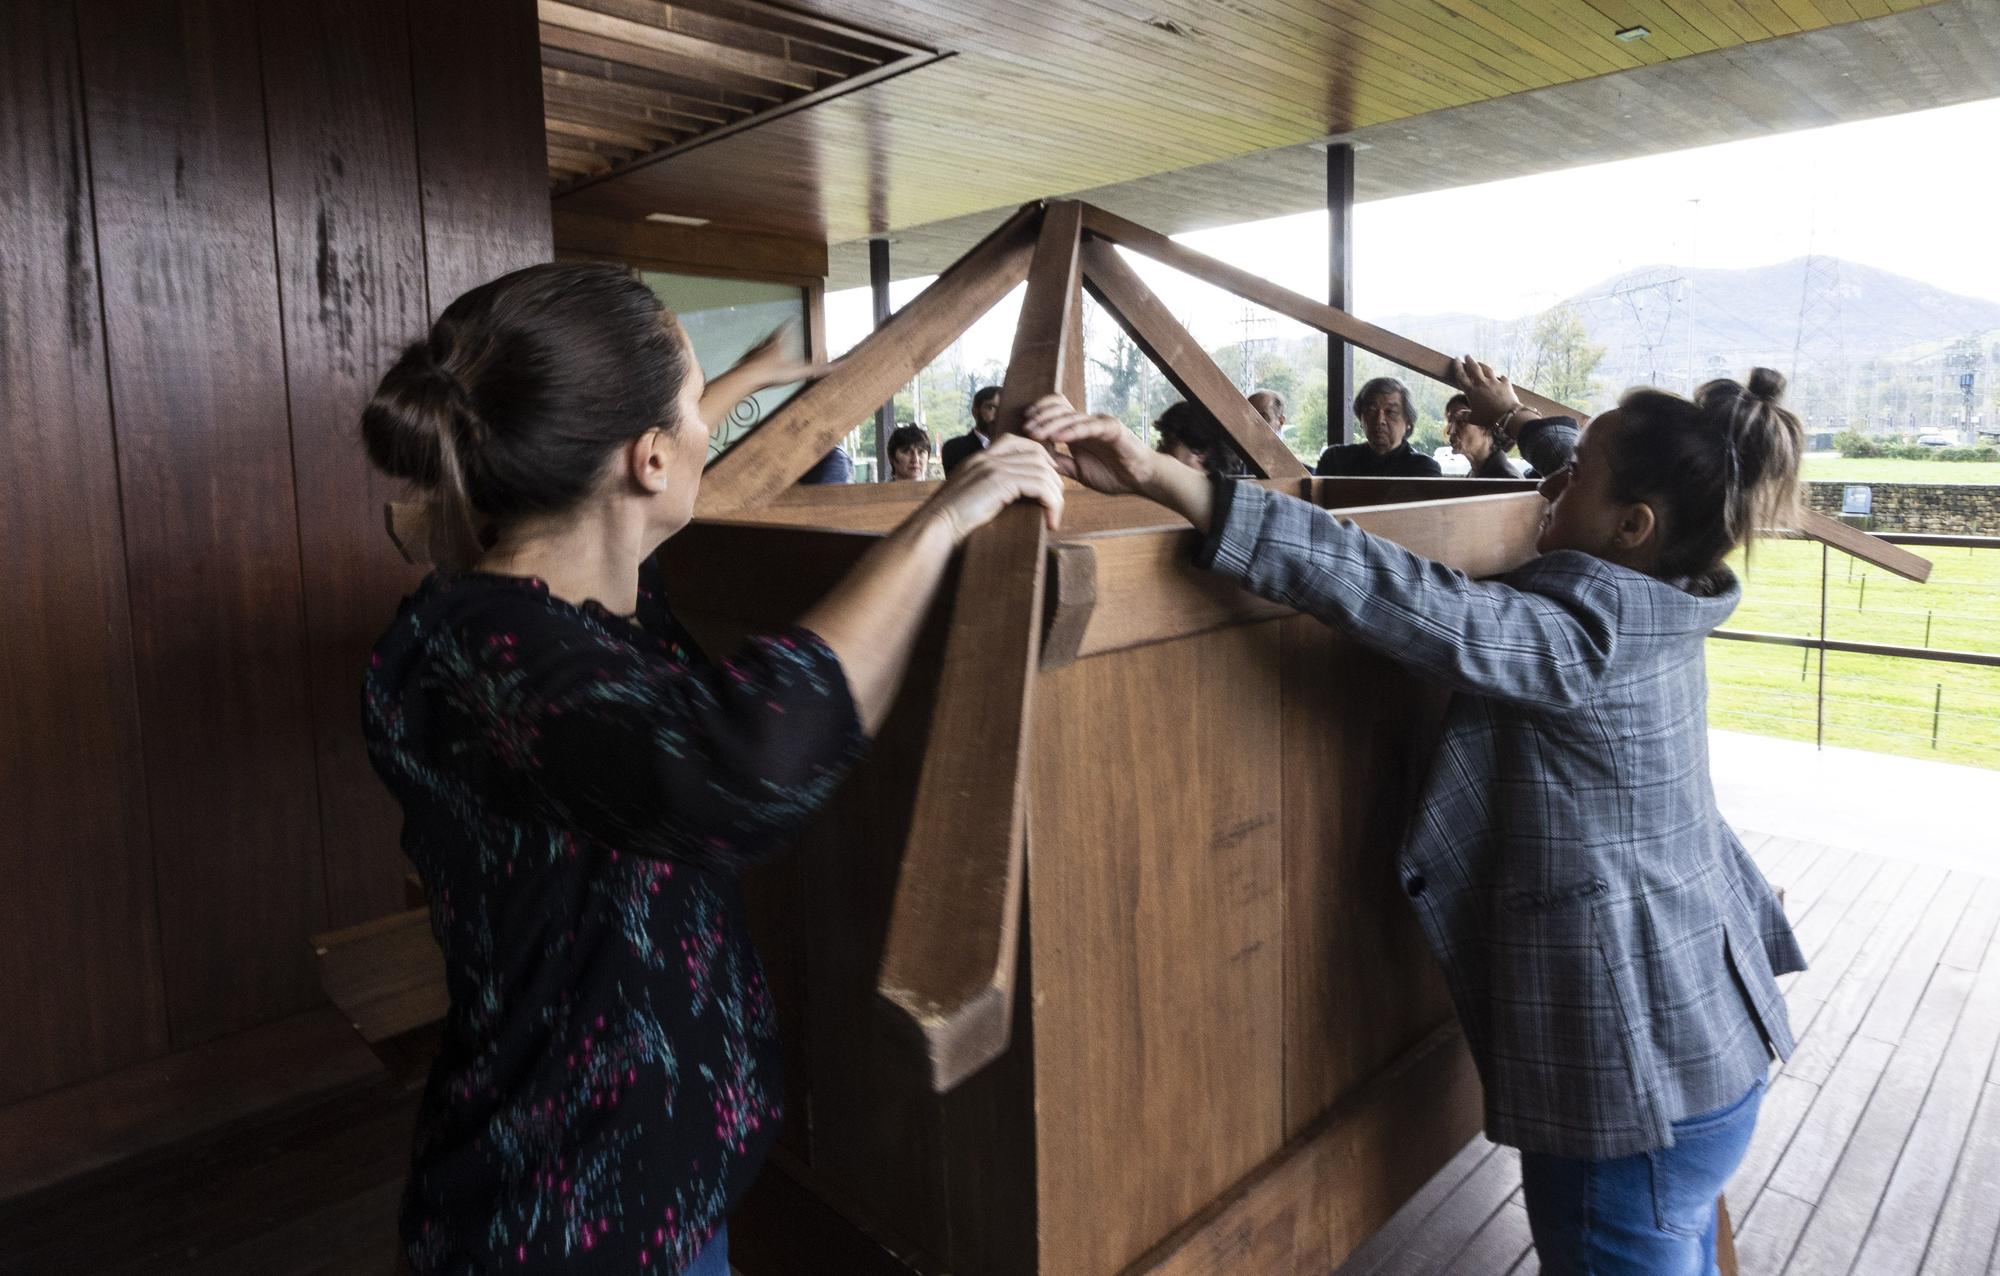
[772, 456]
[1163, 340]
[1429, 362]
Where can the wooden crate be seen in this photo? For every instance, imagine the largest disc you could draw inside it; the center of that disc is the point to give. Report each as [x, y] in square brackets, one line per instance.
[1231, 1049]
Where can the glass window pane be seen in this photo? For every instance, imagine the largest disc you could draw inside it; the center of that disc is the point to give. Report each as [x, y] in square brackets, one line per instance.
[724, 318]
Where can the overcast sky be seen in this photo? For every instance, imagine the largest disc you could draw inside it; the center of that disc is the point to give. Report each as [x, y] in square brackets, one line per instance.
[1915, 194]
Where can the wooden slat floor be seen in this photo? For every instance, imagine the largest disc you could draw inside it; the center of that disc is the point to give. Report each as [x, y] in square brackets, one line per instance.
[1878, 1149]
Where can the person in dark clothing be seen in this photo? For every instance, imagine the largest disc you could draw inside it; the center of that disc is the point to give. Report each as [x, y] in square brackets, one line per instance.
[1387, 415]
[985, 407]
[581, 785]
[1191, 435]
[1480, 445]
[835, 467]
[909, 453]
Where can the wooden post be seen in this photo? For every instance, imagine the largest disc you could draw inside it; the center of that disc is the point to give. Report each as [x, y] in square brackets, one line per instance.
[949, 960]
[878, 283]
[1155, 331]
[1339, 271]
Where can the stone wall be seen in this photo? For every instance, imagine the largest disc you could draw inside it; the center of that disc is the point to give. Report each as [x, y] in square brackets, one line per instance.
[1946, 509]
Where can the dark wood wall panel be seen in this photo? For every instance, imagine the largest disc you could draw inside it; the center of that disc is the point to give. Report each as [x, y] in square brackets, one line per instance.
[479, 140]
[350, 254]
[197, 384]
[218, 224]
[79, 937]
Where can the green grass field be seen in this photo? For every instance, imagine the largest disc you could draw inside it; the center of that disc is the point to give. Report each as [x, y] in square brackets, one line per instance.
[1872, 702]
[1827, 467]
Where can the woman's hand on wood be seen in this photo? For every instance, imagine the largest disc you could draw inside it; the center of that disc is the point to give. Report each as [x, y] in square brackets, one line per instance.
[1490, 397]
[1012, 469]
[1103, 454]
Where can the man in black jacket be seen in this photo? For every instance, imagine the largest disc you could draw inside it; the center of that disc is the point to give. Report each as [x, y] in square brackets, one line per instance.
[1387, 415]
[985, 407]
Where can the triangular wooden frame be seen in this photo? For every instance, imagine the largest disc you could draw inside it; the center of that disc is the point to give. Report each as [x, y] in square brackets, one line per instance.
[952, 949]
[951, 952]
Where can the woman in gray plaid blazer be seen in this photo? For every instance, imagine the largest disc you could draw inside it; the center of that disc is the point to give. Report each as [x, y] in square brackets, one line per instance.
[1609, 944]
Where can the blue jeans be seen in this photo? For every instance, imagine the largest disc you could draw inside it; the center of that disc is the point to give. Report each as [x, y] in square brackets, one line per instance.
[713, 1261]
[1647, 1215]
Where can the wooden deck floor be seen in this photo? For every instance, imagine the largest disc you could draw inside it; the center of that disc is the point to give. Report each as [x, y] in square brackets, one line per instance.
[1878, 1149]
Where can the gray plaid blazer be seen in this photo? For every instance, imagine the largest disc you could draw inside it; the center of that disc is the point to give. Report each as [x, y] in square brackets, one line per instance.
[1608, 942]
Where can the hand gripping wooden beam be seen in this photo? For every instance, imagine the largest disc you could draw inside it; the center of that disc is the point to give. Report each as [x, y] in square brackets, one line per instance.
[949, 961]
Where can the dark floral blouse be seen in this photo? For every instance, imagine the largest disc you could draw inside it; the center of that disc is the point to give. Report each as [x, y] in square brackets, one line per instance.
[579, 793]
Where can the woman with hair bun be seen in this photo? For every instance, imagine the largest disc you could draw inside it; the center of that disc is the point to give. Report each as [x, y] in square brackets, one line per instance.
[581, 786]
[1610, 947]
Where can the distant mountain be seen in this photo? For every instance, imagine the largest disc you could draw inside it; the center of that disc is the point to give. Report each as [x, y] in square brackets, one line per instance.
[1740, 317]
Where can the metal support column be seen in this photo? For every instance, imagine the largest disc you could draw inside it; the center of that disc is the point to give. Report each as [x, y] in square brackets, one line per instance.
[1339, 273]
[885, 416]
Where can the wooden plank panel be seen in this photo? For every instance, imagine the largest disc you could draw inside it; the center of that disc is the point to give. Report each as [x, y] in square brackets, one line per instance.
[1911, 972]
[1816, 1149]
[386, 974]
[1913, 1198]
[1360, 982]
[80, 980]
[1415, 1212]
[1147, 590]
[1963, 1241]
[1860, 977]
[1499, 1244]
[1786, 1102]
[1768, 1233]
[1152, 896]
[1458, 1220]
[1844, 1210]
[720, 59]
[717, 251]
[197, 382]
[478, 103]
[66, 1133]
[350, 257]
[1974, 932]
[1311, 1206]
[875, 1134]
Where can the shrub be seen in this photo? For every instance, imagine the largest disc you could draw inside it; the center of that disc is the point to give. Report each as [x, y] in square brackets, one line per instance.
[1855, 443]
[1967, 454]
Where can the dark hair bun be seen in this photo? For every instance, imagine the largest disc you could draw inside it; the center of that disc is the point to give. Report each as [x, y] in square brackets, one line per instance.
[1766, 385]
[405, 425]
[523, 389]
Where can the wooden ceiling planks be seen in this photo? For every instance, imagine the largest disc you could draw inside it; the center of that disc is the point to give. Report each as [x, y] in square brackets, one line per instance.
[626, 82]
[1934, 56]
[1075, 95]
